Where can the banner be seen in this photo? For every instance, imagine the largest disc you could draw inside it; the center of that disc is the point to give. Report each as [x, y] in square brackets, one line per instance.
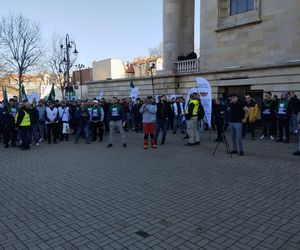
[34, 97]
[100, 96]
[134, 93]
[204, 89]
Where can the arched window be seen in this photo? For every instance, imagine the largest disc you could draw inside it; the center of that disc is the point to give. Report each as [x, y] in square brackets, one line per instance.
[240, 6]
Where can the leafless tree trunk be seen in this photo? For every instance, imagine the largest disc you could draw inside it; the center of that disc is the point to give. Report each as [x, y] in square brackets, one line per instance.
[20, 43]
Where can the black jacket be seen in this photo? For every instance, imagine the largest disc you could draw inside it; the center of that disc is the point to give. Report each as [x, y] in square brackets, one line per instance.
[163, 110]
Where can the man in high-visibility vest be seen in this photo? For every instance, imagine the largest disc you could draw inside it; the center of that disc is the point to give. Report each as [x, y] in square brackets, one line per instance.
[191, 116]
[23, 123]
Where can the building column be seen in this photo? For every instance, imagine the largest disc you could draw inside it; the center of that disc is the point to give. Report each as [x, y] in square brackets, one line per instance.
[188, 27]
[178, 30]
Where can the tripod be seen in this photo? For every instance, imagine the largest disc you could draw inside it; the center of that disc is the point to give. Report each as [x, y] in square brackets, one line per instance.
[223, 139]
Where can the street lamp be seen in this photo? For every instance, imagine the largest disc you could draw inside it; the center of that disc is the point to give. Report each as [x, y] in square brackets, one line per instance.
[152, 80]
[80, 66]
[69, 92]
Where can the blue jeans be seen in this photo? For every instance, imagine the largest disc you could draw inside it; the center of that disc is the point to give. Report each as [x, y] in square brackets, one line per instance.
[161, 124]
[178, 123]
[34, 133]
[294, 123]
[86, 131]
[236, 136]
[25, 136]
[267, 123]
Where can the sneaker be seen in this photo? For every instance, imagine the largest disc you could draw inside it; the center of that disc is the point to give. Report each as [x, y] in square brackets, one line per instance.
[296, 153]
[174, 132]
[233, 152]
[286, 141]
[109, 145]
[241, 153]
[262, 137]
[125, 145]
[154, 146]
[189, 144]
[271, 137]
[37, 144]
[197, 143]
[145, 146]
[186, 137]
[6, 146]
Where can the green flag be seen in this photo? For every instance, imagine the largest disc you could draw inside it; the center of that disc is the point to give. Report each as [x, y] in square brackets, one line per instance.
[51, 96]
[5, 98]
[22, 95]
[131, 84]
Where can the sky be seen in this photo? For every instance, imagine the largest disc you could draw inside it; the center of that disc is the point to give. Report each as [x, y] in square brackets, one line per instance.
[101, 29]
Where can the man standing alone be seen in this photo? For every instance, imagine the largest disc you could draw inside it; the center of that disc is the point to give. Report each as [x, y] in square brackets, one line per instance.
[116, 118]
[191, 116]
[236, 114]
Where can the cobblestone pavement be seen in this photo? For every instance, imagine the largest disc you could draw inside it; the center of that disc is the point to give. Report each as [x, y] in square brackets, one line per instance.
[69, 196]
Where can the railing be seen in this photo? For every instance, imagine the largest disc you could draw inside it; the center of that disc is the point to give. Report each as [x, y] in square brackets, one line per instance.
[188, 66]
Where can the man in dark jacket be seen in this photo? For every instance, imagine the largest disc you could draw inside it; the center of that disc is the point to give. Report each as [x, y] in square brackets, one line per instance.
[34, 120]
[298, 149]
[236, 115]
[284, 113]
[162, 119]
[9, 131]
[267, 116]
[105, 107]
[137, 116]
[83, 123]
[294, 102]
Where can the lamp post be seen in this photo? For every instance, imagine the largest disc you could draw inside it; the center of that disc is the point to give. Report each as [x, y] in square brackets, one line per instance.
[68, 65]
[152, 80]
[80, 66]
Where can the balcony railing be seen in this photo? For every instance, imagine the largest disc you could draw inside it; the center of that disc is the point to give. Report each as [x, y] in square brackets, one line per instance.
[188, 66]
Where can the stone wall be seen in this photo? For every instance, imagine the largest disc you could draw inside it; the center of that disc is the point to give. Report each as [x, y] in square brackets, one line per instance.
[270, 78]
[271, 36]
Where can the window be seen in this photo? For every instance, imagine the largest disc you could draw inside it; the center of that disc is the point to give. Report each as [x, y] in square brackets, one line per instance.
[236, 13]
[240, 6]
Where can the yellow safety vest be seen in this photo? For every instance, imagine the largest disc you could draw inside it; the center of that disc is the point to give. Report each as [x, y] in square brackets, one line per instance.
[26, 119]
[196, 107]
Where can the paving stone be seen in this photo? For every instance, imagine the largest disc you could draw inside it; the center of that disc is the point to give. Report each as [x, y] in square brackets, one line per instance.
[69, 196]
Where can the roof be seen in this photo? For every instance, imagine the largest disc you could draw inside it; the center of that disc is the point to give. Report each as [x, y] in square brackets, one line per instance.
[130, 69]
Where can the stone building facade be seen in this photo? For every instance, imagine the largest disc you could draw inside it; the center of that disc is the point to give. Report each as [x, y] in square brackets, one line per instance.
[245, 45]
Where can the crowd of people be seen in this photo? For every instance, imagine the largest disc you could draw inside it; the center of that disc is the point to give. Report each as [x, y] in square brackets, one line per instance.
[23, 124]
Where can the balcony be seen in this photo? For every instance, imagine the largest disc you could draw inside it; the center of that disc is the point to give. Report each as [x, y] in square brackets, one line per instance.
[187, 66]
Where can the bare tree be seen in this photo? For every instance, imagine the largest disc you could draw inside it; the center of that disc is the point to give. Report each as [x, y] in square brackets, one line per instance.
[156, 51]
[20, 43]
[54, 62]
